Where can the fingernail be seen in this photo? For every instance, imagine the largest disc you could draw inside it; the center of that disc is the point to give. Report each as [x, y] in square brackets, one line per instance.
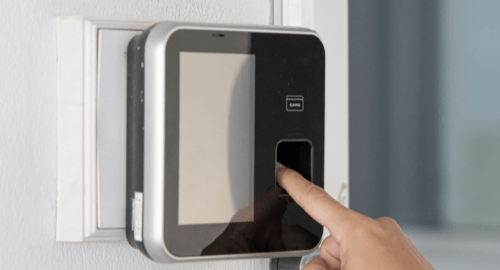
[280, 168]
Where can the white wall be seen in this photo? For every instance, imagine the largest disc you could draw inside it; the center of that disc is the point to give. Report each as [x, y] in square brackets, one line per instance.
[28, 127]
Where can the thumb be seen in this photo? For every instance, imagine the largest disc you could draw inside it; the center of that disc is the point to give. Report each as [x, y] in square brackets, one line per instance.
[315, 263]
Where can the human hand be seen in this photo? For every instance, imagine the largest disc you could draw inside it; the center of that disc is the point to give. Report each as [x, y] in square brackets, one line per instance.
[356, 241]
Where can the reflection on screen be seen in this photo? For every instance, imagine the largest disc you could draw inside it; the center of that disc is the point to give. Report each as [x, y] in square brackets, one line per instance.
[216, 132]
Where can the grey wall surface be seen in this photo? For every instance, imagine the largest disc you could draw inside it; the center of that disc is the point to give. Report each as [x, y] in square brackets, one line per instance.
[424, 111]
[470, 140]
[28, 127]
[393, 97]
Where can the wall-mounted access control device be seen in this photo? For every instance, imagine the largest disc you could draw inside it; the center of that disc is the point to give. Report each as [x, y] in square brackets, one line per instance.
[211, 109]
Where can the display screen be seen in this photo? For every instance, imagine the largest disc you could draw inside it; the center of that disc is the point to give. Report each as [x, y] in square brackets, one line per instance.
[216, 138]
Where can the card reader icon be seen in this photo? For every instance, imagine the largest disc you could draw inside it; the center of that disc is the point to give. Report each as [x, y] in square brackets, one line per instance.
[294, 103]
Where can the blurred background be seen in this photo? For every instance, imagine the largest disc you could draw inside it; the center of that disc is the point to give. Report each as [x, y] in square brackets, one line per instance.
[424, 97]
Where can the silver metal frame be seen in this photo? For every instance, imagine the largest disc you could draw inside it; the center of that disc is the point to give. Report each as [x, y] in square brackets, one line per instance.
[154, 131]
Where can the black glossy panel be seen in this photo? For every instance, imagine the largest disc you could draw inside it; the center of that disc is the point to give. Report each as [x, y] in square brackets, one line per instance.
[284, 65]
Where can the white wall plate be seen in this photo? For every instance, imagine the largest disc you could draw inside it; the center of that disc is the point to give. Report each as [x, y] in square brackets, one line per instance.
[91, 127]
[91, 114]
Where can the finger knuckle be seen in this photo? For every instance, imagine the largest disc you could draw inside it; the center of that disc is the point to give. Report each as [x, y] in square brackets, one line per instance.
[362, 228]
[388, 222]
[314, 263]
[325, 245]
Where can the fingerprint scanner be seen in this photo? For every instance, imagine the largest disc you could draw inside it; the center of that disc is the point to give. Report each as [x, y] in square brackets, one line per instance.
[296, 155]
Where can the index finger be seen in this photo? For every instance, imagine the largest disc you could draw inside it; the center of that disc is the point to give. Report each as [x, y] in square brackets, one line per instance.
[316, 202]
